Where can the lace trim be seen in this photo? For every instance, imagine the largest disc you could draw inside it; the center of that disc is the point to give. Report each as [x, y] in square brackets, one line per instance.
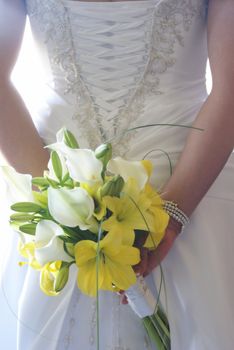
[169, 21]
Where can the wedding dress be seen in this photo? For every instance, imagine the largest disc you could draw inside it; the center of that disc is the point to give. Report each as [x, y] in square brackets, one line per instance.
[111, 67]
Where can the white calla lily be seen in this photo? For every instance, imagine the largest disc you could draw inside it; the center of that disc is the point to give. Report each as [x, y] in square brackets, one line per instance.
[82, 164]
[127, 169]
[59, 147]
[59, 134]
[16, 187]
[48, 246]
[72, 207]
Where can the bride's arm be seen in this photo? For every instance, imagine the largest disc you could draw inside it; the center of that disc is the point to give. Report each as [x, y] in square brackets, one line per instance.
[206, 153]
[19, 140]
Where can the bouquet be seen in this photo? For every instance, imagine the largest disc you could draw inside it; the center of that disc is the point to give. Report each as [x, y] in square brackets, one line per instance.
[90, 209]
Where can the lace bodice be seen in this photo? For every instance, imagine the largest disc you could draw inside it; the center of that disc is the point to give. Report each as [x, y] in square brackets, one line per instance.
[106, 59]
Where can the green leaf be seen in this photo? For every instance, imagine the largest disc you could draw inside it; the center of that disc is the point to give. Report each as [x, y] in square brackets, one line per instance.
[71, 183]
[26, 207]
[40, 182]
[66, 177]
[153, 334]
[70, 139]
[77, 235]
[28, 228]
[53, 183]
[163, 316]
[68, 239]
[162, 326]
[69, 249]
[21, 217]
[57, 166]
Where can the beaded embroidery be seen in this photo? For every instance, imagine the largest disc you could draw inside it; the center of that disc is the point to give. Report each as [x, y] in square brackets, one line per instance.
[164, 29]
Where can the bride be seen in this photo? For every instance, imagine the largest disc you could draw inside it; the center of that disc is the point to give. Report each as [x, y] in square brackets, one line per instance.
[111, 66]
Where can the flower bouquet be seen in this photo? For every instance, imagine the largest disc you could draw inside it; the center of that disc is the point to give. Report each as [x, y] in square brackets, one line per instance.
[90, 209]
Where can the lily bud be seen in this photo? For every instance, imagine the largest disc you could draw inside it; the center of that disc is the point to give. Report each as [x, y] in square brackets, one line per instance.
[113, 187]
[61, 278]
[104, 153]
[70, 140]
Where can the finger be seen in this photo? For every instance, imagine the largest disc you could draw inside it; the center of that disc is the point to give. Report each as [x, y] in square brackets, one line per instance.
[142, 266]
[156, 256]
[123, 299]
[121, 291]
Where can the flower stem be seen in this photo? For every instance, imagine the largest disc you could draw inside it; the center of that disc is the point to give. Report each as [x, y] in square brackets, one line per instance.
[97, 285]
[153, 334]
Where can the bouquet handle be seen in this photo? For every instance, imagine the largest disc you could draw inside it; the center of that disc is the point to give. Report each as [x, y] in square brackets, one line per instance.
[141, 299]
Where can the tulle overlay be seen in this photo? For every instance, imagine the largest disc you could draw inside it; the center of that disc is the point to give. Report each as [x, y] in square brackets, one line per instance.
[113, 66]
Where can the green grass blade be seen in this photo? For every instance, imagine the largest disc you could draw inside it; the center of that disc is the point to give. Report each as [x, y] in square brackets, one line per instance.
[153, 334]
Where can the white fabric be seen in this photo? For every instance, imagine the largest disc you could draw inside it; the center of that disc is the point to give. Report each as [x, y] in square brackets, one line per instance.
[111, 66]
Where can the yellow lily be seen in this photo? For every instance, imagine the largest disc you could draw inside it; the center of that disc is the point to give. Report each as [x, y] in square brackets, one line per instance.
[94, 192]
[140, 210]
[48, 277]
[129, 212]
[150, 205]
[125, 218]
[27, 250]
[114, 268]
[140, 170]
[157, 218]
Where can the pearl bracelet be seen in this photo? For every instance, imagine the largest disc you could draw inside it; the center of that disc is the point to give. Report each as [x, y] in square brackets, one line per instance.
[176, 213]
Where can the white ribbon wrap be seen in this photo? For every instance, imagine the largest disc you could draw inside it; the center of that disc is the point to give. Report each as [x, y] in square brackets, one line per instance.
[141, 299]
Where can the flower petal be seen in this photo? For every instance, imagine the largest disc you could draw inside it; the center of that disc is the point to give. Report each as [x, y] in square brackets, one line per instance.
[85, 251]
[87, 277]
[52, 251]
[71, 207]
[148, 166]
[127, 256]
[123, 276]
[83, 166]
[46, 230]
[127, 169]
[17, 187]
[48, 246]
[111, 243]
[47, 281]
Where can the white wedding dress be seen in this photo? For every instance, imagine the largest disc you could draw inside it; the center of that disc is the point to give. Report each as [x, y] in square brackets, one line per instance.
[113, 66]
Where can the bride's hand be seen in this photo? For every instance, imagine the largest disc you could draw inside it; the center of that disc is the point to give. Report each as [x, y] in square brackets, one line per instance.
[152, 258]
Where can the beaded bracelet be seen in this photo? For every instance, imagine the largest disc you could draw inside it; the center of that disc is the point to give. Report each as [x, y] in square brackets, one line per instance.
[176, 213]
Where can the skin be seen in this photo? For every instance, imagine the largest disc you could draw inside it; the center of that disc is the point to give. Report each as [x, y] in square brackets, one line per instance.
[209, 149]
[21, 145]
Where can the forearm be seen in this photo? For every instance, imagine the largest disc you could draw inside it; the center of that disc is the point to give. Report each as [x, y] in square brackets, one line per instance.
[19, 140]
[204, 154]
